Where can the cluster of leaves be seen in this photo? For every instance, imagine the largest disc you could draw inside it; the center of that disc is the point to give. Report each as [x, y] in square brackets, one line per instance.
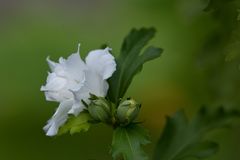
[226, 13]
[219, 58]
[127, 140]
[182, 139]
[130, 61]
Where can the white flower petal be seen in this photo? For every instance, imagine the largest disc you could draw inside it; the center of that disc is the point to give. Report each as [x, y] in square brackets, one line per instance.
[66, 75]
[77, 107]
[55, 89]
[54, 83]
[75, 67]
[95, 84]
[59, 118]
[102, 62]
[58, 96]
[100, 65]
[81, 94]
[51, 64]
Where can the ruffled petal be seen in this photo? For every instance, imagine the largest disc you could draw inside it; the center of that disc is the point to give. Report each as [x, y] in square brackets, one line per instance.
[68, 74]
[72, 67]
[102, 62]
[95, 84]
[58, 119]
[54, 83]
[81, 94]
[55, 89]
[77, 107]
[51, 64]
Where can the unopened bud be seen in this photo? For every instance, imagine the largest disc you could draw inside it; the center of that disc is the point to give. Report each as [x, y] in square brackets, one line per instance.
[99, 108]
[128, 111]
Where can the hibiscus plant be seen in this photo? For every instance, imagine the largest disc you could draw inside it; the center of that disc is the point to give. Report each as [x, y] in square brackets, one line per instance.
[93, 91]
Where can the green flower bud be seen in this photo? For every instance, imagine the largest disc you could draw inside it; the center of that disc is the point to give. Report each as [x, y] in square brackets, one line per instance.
[100, 109]
[128, 111]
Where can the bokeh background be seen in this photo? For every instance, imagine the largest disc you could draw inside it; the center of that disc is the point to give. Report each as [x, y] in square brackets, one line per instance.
[199, 66]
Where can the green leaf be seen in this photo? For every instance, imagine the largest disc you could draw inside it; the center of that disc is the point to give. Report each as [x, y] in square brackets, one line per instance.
[199, 150]
[182, 138]
[127, 142]
[226, 13]
[217, 4]
[218, 60]
[130, 61]
[76, 124]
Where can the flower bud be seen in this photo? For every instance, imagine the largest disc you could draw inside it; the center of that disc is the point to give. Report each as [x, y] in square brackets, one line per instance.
[128, 111]
[99, 108]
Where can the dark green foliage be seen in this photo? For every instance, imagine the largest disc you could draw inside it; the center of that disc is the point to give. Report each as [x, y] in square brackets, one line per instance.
[130, 61]
[219, 58]
[127, 141]
[182, 138]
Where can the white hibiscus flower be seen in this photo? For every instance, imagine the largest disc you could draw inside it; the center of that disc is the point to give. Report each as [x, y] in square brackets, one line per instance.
[71, 80]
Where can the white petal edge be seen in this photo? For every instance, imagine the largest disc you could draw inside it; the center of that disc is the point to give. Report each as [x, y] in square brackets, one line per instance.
[51, 64]
[102, 62]
[58, 119]
[78, 106]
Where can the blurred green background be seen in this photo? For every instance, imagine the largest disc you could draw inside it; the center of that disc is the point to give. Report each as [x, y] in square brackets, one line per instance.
[194, 69]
